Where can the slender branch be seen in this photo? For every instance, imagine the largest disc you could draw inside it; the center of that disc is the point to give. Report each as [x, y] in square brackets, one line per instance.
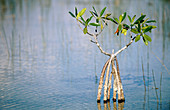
[82, 29]
[95, 37]
[101, 29]
[126, 46]
[102, 51]
[79, 25]
[92, 41]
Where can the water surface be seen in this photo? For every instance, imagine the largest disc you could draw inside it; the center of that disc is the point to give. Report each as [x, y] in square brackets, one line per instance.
[46, 62]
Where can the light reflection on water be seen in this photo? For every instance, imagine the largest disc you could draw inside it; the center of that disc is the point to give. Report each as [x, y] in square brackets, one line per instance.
[47, 63]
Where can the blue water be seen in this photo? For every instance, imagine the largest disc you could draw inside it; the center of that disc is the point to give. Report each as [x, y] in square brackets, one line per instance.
[46, 62]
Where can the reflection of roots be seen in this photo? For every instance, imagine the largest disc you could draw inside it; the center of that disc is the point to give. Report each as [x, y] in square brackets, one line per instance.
[107, 86]
[108, 107]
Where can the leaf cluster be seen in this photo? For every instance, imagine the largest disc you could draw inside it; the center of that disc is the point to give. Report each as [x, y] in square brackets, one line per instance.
[139, 27]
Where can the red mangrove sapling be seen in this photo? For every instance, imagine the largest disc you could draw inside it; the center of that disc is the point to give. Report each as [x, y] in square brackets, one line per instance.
[99, 20]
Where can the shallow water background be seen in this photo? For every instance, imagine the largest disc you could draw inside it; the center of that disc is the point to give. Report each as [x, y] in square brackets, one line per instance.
[46, 62]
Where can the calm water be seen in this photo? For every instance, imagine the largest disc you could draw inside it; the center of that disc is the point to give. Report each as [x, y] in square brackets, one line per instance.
[46, 62]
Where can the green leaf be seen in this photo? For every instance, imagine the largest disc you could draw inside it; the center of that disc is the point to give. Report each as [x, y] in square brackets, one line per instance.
[76, 11]
[95, 11]
[94, 24]
[134, 31]
[85, 30]
[120, 18]
[124, 16]
[97, 20]
[139, 19]
[154, 27]
[125, 26]
[130, 19]
[81, 22]
[88, 20]
[151, 21]
[120, 27]
[101, 25]
[103, 10]
[146, 29]
[104, 22]
[116, 20]
[82, 19]
[147, 37]
[108, 14]
[124, 31]
[81, 13]
[133, 18]
[145, 20]
[113, 21]
[72, 14]
[145, 41]
[136, 27]
[137, 38]
[110, 20]
[139, 28]
[93, 14]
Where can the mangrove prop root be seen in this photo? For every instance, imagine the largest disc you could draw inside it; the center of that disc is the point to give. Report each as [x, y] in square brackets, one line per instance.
[106, 81]
[101, 80]
[120, 82]
[109, 87]
[114, 83]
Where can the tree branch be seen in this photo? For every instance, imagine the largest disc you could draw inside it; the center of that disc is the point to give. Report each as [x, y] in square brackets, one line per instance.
[82, 29]
[95, 37]
[92, 41]
[101, 29]
[100, 48]
[102, 51]
[132, 39]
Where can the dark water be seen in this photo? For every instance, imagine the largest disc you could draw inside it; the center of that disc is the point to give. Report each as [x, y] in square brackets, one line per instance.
[46, 62]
